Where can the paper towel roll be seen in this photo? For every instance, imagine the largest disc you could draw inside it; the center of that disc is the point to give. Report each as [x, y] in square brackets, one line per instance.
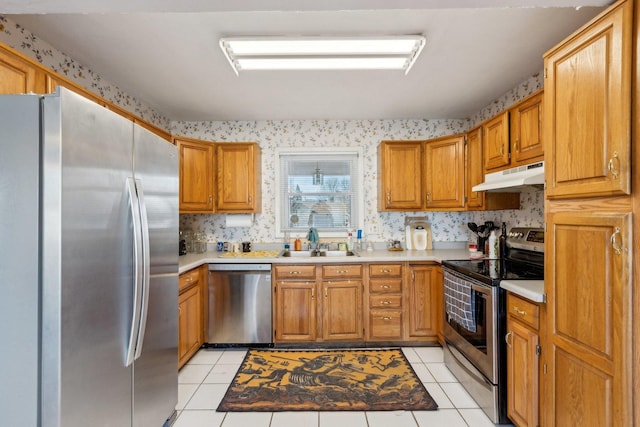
[239, 220]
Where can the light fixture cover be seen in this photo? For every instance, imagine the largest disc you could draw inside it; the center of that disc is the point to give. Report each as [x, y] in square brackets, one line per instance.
[322, 53]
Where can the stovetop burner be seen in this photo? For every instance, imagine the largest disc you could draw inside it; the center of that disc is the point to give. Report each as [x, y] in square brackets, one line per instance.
[492, 271]
[524, 261]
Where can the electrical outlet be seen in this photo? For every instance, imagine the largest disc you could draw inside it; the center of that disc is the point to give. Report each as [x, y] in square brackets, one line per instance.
[373, 229]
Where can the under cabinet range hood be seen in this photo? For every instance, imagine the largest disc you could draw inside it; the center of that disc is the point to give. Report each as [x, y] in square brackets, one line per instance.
[514, 179]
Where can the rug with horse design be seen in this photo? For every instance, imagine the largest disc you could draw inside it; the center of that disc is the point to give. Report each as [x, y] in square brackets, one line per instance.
[326, 380]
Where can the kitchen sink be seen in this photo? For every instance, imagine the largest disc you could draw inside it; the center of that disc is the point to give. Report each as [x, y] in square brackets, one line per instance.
[317, 253]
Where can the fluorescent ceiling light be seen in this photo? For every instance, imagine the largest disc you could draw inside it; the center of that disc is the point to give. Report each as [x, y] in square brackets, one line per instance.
[316, 53]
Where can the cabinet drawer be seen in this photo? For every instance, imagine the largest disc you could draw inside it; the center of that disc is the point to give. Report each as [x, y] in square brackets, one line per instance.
[385, 285]
[385, 270]
[385, 324]
[344, 270]
[295, 271]
[385, 301]
[523, 310]
[188, 279]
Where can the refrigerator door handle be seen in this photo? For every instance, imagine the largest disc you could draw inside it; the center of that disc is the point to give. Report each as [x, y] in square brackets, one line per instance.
[134, 204]
[146, 268]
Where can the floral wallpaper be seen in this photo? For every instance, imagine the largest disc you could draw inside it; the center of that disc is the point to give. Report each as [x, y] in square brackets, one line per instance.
[367, 134]
[446, 226]
[30, 45]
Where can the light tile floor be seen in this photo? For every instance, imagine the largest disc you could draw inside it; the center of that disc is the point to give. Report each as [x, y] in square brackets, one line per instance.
[203, 382]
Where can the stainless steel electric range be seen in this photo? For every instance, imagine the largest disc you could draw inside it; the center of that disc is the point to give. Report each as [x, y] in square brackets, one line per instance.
[475, 318]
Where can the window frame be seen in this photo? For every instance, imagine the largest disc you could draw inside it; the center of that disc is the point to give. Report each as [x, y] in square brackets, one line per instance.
[358, 189]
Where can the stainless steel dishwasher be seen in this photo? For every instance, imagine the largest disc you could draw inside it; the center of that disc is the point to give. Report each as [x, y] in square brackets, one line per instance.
[239, 304]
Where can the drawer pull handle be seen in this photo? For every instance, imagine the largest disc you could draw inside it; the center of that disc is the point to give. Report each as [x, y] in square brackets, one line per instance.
[385, 271]
[385, 302]
[506, 338]
[189, 279]
[342, 271]
[385, 287]
[294, 272]
[520, 312]
[385, 318]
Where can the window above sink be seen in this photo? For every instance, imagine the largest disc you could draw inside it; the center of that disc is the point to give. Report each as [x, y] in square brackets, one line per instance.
[319, 188]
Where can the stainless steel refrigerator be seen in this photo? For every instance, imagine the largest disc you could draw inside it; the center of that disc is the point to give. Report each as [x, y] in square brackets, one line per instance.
[88, 266]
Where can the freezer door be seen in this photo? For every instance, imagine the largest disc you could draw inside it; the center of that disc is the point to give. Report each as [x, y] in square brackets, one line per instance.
[19, 279]
[87, 264]
[156, 369]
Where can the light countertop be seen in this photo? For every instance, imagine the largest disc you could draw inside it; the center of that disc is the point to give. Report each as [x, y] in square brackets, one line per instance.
[530, 289]
[189, 261]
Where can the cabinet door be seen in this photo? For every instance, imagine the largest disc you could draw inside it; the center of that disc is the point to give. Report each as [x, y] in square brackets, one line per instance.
[422, 302]
[522, 374]
[18, 76]
[295, 311]
[342, 310]
[588, 289]
[495, 136]
[196, 176]
[400, 179]
[189, 323]
[238, 169]
[474, 169]
[444, 174]
[588, 109]
[526, 131]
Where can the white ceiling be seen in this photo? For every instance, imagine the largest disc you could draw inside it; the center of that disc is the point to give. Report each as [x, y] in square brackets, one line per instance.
[166, 54]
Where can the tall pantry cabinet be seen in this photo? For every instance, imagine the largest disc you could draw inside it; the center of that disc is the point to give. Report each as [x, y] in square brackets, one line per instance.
[588, 343]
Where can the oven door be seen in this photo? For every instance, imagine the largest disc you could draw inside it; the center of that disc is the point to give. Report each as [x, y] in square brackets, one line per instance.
[471, 322]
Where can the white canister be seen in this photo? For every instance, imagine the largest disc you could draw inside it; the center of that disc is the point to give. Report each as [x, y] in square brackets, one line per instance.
[420, 239]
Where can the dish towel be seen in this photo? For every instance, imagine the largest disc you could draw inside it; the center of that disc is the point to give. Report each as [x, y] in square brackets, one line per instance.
[459, 301]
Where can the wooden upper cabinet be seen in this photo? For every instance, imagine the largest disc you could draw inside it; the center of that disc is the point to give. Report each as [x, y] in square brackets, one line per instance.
[444, 172]
[526, 131]
[196, 176]
[400, 177]
[474, 168]
[589, 311]
[18, 75]
[238, 172]
[588, 109]
[495, 136]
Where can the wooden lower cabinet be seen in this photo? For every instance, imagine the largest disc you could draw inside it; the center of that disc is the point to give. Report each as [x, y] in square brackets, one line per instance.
[385, 314]
[423, 298]
[342, 310]
[318, 303]
[191, 287]
[588, 328]
[523, 364]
